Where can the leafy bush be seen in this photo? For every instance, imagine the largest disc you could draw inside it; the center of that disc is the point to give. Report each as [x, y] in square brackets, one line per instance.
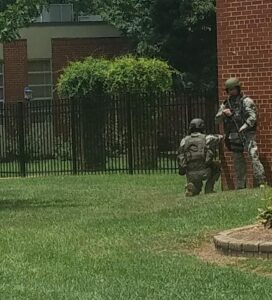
[265, 215]
[124, 74]
[83, 77]
[143, 74]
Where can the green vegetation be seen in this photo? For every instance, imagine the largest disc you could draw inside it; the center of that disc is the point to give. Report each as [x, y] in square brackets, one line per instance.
[182, 32]
[130, 74]
[121, 237]
[15, 14]
[124, 74]
[82, 78]
[265, 214]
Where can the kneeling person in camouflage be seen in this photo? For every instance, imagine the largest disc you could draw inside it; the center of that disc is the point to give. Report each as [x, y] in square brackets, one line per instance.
[196, 159]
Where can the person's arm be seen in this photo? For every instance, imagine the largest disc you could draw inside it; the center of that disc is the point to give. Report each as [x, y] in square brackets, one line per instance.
[251, 114]
[213, 140]
[219, 117]
[181, 158]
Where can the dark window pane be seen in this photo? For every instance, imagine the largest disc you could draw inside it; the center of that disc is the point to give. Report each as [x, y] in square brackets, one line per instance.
[39, 78]
[39, 66]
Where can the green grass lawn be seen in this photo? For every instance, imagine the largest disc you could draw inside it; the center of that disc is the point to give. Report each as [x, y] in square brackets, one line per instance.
[121, 237]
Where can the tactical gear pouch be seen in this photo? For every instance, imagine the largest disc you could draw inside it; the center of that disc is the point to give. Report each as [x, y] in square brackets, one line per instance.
[182, 171]
[195, 150]
[234, 142]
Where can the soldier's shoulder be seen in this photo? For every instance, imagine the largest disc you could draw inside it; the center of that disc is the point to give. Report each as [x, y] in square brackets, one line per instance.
[186, 137]
[183, 141]
[248, 101]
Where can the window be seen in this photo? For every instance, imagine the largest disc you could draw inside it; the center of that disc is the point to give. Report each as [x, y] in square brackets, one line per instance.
[61, 12]
[40, 79]
[57, 13]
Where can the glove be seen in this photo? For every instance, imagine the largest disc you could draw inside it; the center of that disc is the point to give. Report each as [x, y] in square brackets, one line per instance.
[182, 171]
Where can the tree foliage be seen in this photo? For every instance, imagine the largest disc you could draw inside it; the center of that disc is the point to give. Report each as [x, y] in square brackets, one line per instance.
[17, 14]
[182, 32]
[5, 3]
[188, 31]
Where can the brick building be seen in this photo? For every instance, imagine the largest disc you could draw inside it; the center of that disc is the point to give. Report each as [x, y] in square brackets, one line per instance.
[244, 32]
[37, 58]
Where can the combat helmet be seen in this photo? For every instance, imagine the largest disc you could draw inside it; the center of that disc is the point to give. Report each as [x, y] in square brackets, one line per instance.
[232, 83]
[197, 125]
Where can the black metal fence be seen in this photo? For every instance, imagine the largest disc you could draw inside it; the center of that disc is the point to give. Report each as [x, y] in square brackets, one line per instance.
[100, 134]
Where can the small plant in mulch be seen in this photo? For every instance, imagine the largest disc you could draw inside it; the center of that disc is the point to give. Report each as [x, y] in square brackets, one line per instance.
[265, 216]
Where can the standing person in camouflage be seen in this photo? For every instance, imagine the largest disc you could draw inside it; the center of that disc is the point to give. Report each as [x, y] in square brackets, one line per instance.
[196, 159]
[239, 116]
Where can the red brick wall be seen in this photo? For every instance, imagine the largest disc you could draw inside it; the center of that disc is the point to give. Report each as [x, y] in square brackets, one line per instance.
[244, 40]
[65, 50]
[15, 70]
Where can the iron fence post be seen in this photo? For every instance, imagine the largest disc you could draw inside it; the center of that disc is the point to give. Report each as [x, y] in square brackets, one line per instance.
[73, 133]
[189, 109]
[21, 138]
[130, 129]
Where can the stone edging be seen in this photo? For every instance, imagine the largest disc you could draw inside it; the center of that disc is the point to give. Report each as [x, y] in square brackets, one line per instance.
[234, 247]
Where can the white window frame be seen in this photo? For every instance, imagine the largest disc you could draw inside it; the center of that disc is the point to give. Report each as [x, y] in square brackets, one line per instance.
[42, 85]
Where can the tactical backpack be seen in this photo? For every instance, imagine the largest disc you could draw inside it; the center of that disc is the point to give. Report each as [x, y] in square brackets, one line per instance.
[197, 153]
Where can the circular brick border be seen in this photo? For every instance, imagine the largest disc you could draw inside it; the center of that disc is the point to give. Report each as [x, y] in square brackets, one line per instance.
[239, 247]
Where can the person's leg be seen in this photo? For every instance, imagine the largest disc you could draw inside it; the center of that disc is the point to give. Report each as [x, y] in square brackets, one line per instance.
[213, 177]
[258, 169]
[194, 184]
[240, 169]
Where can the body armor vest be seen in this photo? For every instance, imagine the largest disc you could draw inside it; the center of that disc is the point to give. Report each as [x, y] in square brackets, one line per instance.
[239, 116]
[196, 152]
[233, 123]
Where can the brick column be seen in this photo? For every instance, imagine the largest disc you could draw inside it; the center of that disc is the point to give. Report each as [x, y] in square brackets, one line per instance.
[65, 50]
[244, 41]
[15, 70]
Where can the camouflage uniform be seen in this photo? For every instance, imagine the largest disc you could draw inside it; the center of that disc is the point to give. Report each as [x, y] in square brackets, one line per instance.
[199, 169]
[244, 117]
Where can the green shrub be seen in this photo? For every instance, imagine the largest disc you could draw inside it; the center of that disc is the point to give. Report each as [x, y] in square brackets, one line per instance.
[129, 74]
[265, 215]
[124, 74]
[83, 77]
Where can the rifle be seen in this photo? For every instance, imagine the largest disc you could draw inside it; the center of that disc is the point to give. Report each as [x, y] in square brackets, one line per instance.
[241, 135]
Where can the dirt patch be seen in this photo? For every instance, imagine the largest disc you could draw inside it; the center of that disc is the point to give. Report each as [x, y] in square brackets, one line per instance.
[208, 253]
[256, 234]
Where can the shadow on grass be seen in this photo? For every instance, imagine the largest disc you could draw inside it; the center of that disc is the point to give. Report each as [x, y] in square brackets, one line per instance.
[17, 204]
